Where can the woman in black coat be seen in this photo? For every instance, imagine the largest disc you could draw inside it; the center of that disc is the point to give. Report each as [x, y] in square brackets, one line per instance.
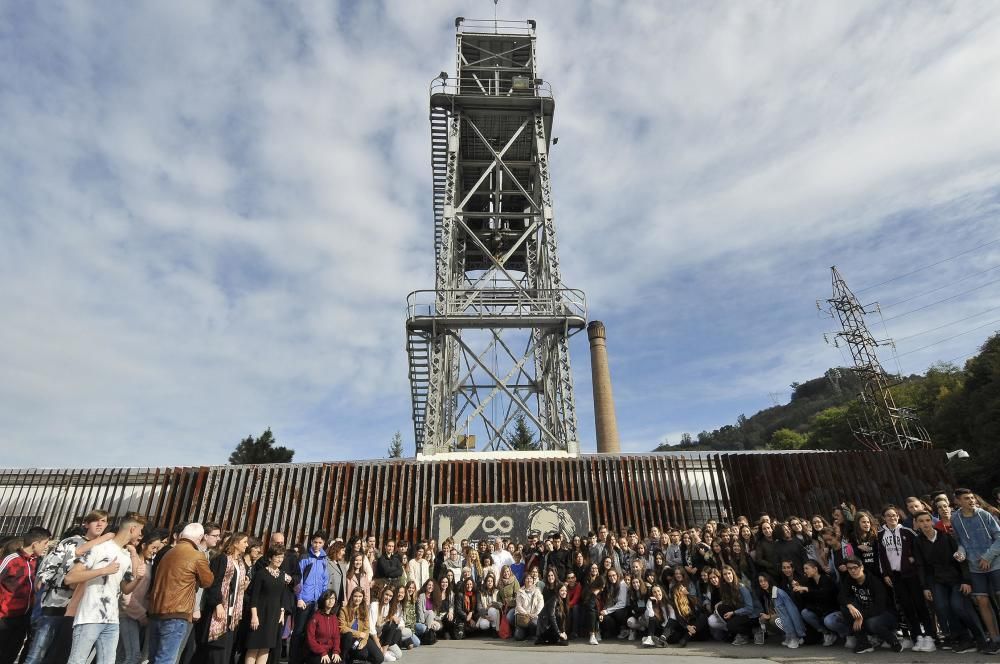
[553, 621]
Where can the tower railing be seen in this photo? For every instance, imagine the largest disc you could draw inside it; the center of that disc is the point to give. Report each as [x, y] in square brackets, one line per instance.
[524, 305]
[482, 86]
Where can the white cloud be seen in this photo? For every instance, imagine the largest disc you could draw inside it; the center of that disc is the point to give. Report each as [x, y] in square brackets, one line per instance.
[211, 213]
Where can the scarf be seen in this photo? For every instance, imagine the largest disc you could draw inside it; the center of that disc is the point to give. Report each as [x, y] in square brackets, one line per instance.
[232, 602]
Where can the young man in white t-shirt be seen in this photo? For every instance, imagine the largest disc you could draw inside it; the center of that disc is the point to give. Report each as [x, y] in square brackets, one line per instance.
[106, 573]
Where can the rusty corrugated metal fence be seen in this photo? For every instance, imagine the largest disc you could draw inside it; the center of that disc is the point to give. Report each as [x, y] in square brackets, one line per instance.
[394, 497]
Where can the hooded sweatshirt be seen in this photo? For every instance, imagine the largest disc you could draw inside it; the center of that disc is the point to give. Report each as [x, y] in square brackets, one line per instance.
[895, 551]
[869, 597]
[979, 536]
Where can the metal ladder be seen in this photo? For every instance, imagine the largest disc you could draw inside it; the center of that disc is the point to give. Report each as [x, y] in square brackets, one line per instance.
[439, 167]
[418, 348]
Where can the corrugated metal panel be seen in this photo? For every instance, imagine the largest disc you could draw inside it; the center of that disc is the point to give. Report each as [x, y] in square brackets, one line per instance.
[395, 497]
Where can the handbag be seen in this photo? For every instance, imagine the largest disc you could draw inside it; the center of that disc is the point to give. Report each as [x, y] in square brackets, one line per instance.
[504, 631]
[522, 619]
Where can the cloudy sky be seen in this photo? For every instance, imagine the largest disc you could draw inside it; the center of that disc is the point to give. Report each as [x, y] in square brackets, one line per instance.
[211, 213]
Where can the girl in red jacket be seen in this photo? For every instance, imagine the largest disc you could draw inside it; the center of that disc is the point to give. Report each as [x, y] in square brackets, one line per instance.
[323, 632]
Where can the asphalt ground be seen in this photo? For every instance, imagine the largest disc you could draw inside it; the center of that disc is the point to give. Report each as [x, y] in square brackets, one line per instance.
[495, 651]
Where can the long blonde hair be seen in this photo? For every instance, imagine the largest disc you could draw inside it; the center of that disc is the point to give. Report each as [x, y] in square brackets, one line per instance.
[681, 603]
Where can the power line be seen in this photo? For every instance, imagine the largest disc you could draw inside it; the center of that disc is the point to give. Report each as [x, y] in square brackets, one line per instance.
[952, 297]
[939, 327]
[925, 267]
[960, 357]
[954, 336]
[934, 290]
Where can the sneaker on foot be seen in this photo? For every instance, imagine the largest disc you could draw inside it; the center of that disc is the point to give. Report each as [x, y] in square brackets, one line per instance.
[851, 642]
[929, 645]
[396, 651]
[741, 640]
[648, 641]
[593, 639]
[631, 635]
[907, 644]
[387, 656]
[829, 639]
[992, 648]
[964, 646]
[623, 634]
[863, 647]
[896, 646]
[793, 643]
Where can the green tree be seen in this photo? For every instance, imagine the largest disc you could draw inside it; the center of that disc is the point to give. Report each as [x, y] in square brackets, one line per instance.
[521, 438]
[786, 439]
[260, 450]
[395, 450]
[830, 429]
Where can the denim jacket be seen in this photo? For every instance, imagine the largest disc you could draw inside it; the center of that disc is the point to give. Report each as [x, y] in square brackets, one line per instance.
[791, 619]
[749, 607]
[979, 536]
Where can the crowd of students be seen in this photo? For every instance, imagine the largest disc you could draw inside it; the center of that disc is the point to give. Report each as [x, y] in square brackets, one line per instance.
[924, 577]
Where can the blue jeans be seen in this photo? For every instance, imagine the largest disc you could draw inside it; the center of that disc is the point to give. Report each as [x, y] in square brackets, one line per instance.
[45, 631]
[838, 624]
[88, 636]
[166, 637]
[883, 626]
[817, 621]
[954, 611]
[131, 638]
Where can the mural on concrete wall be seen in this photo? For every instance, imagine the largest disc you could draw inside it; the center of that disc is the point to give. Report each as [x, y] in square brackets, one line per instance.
[479, 521]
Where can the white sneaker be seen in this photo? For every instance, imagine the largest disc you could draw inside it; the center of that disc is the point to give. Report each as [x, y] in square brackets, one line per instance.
[851, 642]
[388, 656]
[786, 642]
[631, 635]
[829, 639]
[929, 645]
[396, 651]
[593, 640]
[793, 643]
[908, 644]
[647, 641]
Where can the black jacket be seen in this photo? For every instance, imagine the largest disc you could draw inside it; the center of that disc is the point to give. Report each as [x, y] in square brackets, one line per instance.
[822, 596]
[388, 567]
[552, 619]
[790, 550]
[936, 562]
[559, 560]
[767, 557]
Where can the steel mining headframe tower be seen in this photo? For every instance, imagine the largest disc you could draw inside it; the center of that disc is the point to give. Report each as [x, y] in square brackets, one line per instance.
[884, 425]
[490, 342]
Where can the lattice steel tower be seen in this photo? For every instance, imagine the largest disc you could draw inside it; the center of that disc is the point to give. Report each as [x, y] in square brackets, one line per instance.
[883, 425]
[490, 342]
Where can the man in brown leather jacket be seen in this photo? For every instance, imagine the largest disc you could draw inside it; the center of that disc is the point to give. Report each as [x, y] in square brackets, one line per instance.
[181, 572]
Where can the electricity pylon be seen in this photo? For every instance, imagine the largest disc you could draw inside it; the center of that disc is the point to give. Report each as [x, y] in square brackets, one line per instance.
[883, 425]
